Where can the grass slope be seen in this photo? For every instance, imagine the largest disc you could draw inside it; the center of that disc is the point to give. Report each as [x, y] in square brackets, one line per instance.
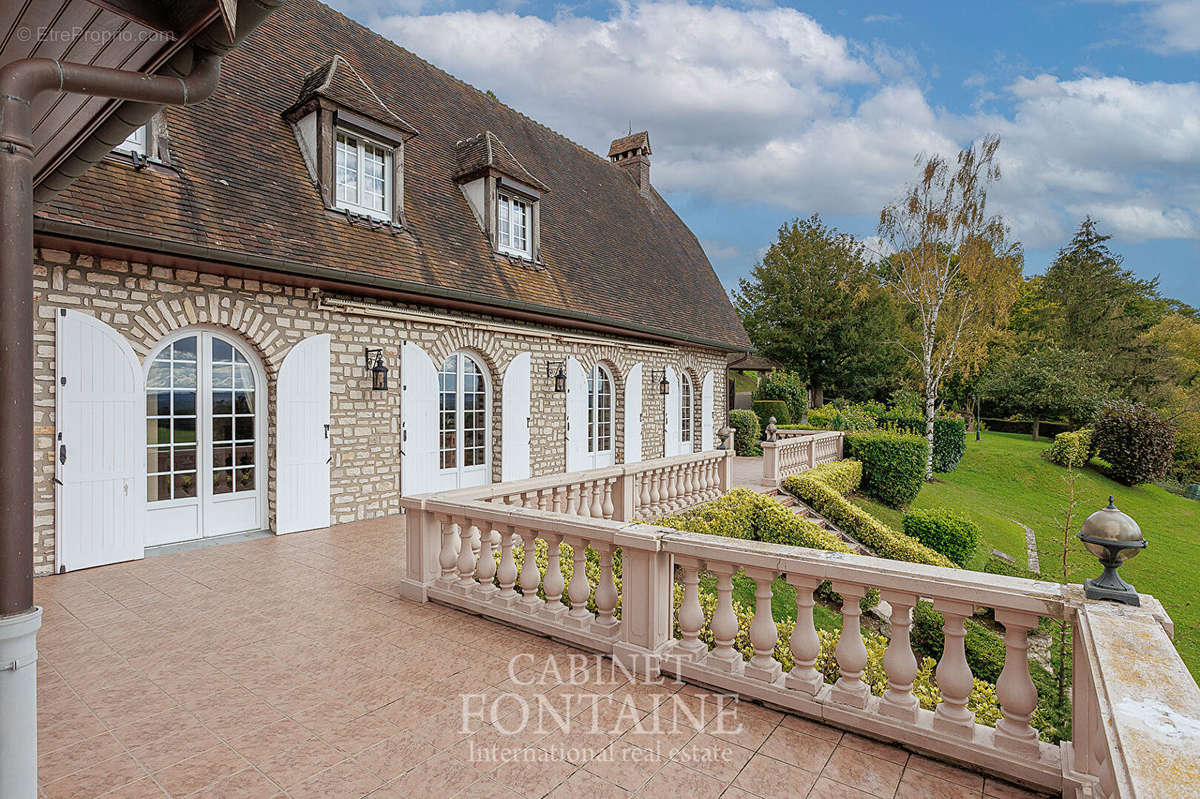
[1004, 478]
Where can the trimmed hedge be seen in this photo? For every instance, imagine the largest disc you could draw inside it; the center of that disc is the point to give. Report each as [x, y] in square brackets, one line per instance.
[944, 531]
[949, 436]
[893, 464]
[765, 409]
[827, 417]
[985, 649]
[746, 514]
[787, 387]
[843, 477]
[746, 432]
[812, 488]
[1071, 449]
[1137, 442]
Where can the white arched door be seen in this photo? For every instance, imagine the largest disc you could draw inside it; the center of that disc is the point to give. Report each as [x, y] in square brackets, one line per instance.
[514, 437]
[205, 439]
[302, 437]
[633, 414]
[687, 432]
[706, 413]
[464, 423]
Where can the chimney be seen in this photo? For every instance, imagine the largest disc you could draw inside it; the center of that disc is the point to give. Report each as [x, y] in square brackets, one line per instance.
[632, 153]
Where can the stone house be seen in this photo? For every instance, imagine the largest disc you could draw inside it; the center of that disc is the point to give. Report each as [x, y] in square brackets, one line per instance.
[345, 278]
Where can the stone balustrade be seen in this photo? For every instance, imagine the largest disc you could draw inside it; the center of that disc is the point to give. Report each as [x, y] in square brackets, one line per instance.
[1136, 708]
[797, 450]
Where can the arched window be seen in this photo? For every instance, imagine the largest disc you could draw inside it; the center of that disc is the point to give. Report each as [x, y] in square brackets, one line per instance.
[600, 410]
[463, 411]
[203, 439]
[685, 412]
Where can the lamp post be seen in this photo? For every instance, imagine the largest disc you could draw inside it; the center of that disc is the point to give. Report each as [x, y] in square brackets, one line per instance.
[1113, 537]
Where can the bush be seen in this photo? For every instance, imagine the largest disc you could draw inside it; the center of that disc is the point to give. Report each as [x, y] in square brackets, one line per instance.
[944, 531]
[746, 432]
[885, 542]
[828, 417]
[949, 436]
[1138, 444]
[893, 464]
[998, 565]
[842, 476]
[1071, 449]
[746, 514]
[786, 387]
[765, 409]
[985, 649]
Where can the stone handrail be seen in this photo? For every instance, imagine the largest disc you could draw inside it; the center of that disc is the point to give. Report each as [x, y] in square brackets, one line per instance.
[452, 539]
[798, 450]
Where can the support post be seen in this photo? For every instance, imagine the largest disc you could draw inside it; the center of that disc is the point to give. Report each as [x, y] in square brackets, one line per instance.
[770, 464]
[646, 595]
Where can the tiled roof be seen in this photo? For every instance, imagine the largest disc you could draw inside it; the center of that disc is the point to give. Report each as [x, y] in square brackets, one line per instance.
[240, 184]
[486, 151]
[634, 141]
[341, 83]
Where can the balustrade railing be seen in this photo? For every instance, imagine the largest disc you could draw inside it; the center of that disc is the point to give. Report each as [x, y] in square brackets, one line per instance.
[1135, 704]
[797, 450]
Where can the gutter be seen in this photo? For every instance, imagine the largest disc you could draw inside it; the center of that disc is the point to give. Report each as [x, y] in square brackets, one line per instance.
[402, 290]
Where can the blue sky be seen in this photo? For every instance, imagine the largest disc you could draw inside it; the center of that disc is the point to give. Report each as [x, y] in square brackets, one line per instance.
[760, 112]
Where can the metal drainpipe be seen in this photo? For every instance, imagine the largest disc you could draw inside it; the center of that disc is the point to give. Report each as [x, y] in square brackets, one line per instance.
[20, 82]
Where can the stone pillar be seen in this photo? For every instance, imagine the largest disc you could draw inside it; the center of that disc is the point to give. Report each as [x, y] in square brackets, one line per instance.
[646, 584]
[423, 535]
[770, 464]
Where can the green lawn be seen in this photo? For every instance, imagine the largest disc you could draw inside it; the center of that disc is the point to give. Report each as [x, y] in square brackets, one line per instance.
[1004, 478]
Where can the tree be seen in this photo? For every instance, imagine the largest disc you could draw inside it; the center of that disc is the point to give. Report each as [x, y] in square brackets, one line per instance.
[815, 305]
[952, 266]
[1046, 383]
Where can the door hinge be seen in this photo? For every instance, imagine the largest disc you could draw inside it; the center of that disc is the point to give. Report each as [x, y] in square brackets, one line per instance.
[326, 431]
[62, 381]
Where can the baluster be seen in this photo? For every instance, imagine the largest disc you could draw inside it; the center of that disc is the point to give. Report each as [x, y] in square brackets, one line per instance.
[585, 499]
[1015, 689]
[579, 590]
[953, 673]
[606, 590]
[899, 662]
[529, 572]
[544, 499]
[507, 573]
[530, 500]
[573, 500]
[485, 568]
[668, 494]
[714, 479]
[466, 555]
[597, 508]
[676, 489]
[608, 509]
[725, 623]
[687, 485]
[552, 583]
[644, 495]
[691, 615]
[851, 652]
[448, 557]
[559, 499]
[805, 643]
[652, 477]
[763, 632]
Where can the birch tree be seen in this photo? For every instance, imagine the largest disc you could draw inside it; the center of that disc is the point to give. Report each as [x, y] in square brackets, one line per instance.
[952, 266]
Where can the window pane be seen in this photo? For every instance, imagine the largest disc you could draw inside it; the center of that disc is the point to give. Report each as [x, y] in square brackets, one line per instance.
[185, 485]
[222, 351]
[502, 212]
[222, 456]
[222, 427]
[223, 481]
[158, 403]
[185, 430]
[158, 487]
[244, 402]
[222, 402]
[185, 349]
[347, 169]
[243, 378]
[245, 428]
[160, 373]
[158, 459]
[158, 431]
[222, 375]
[185, 459]
[245, 455]
[374, 185]
[184, 374]
[185, 403]
[245, 480]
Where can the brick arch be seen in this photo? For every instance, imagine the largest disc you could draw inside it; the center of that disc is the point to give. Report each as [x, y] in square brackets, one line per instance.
[614, 359]
[254, 329]
[481, 344]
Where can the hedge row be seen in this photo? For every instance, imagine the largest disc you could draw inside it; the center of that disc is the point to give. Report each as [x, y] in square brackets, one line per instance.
[812, 488]
[944, 531]
[766, 409]
[949, 436]
[893, 464]
[746, 432]
[746, 514]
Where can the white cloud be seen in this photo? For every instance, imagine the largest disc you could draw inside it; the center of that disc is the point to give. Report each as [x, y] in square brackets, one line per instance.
[872, 18]
[1175, 24]
[754, 104]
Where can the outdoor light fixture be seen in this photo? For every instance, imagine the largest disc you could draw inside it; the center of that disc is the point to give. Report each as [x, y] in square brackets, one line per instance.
[1114, 538]
[664, 387]
[560, 377]
[377, 370]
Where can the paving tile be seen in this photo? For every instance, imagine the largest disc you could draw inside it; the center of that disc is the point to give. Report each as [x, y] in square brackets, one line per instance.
[922, 785]
[145, 788]
[874, 748]
[584, 783]
[395, 756]
[440, 775]
[773, 779]
[717, 758]
[995, 789]
[967, 779]
[200, 771]
[297, 763]
[798, 749]
[869, 774]
[828, 789]
[69, 759]
[246, 784]
[346, 780]
[625, 765]
[533, 772]
[674, 780]
[96, 779]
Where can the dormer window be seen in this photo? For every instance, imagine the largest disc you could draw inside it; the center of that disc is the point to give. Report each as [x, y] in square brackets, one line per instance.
[364, 176]
[134, 143]
[512, 215]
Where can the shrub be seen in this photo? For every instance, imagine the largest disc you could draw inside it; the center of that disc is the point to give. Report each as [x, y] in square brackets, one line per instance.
[893, 464]
[1071, 448]
[765, 409]
[883, 540]
[906, 402]
[1138, 444]
[841, 476]
[998, 565]
[828, 417]
[949, 436]
[944, 531]
[985, 649]
[746, 432]
[746, 514]
[786, 387]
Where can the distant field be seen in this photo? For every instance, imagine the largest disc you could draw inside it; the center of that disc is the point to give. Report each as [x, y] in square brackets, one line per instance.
[1004, 478]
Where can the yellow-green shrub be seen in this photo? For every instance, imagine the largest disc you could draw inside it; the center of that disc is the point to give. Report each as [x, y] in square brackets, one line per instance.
[743, 513]
[1071, 448]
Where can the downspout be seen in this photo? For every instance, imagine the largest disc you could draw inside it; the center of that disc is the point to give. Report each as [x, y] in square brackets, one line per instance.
[21, 82]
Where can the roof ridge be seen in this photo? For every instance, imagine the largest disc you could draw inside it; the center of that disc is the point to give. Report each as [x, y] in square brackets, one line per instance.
[490, 97]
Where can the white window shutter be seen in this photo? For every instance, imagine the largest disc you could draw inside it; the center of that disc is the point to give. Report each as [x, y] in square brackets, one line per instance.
[302, 437]
[514, 440]
[633, 414]
[418, 421]
[706, 413]
[577, 417]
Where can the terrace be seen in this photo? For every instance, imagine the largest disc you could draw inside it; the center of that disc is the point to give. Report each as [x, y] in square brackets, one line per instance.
[399, 656]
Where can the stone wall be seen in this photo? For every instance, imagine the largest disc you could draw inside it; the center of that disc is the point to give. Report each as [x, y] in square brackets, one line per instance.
[148, 303]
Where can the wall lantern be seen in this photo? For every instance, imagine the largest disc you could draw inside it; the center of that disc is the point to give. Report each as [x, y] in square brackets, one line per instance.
[1113, 538]
[560, 377]
[377, 370]
[664, 387]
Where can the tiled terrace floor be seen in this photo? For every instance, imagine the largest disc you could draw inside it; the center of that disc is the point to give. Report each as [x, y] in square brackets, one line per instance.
[288, 667]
